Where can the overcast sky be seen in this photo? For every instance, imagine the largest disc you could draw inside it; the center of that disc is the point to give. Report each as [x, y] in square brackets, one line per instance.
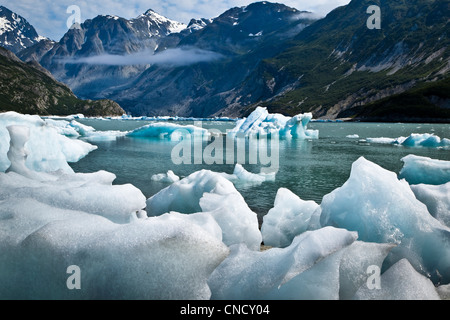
[49, 17]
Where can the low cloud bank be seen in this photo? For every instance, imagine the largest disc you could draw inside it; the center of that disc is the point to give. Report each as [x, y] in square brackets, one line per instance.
[172, 57]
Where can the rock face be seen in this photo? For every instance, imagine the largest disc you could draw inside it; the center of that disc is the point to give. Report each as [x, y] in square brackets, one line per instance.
[27, 88]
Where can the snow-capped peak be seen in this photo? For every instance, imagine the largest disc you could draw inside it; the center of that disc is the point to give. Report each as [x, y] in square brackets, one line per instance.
[171, 25]
[16, 33]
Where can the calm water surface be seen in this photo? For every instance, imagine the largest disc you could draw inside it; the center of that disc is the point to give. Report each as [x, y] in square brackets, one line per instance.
[310, 169]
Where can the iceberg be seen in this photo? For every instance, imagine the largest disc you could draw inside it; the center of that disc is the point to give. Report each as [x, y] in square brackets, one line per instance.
[324, 264]
[49, 150]
[92, 193]
[261, 123]
[415, 140]
[52, 222]
[169, 131]
[289, 218]
[383, 209]
[241, 177]
[168, 177]
[210, 192]
[424, 170]
[158, 258]
[75, 129]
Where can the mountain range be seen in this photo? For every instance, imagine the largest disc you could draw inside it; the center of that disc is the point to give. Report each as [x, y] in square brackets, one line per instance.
[266, 54]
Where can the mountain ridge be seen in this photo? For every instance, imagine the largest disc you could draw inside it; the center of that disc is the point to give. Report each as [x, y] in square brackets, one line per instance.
[271, 55]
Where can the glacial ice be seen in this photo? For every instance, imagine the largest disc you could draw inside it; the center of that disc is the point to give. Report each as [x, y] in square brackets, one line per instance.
[418, 170]
[437, 200]
[210, 192]
[198, 239]
[241, 177]
[415, 140]
[261, 123]
[277, 273]
[383, 209]
[51, 221]
[159, 258]
[169, 131]
[400, 282]
[288, 219]
[168, 177]
[50, 156]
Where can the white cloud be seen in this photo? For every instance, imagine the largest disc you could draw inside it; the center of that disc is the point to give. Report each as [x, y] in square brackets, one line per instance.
[49, 17]
[172, 57]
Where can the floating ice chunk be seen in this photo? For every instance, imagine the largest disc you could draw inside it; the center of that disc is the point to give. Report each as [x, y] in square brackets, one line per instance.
[414, 140]
[207, 191]
[261, 123]
[289, 218]
[63, 127]
[102, 136]
[400, 282]
[242, 177]
[437, 200]
[276, 273]
[83, 220]
[92, 193]
[169, 131]
[49, 150]
[418, 170]
[168, 177]
[184, 196]
[170, 257]
[383, 209]
[115, 202]
[383, 140]
[373, 202]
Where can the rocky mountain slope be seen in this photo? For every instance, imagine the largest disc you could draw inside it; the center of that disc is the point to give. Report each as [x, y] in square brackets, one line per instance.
[338, 64]
[29, 89]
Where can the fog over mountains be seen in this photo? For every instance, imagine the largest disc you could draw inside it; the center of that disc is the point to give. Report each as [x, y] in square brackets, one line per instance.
[262, 54]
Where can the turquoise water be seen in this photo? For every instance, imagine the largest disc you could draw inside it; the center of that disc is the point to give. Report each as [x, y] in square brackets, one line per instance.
[310, 169]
